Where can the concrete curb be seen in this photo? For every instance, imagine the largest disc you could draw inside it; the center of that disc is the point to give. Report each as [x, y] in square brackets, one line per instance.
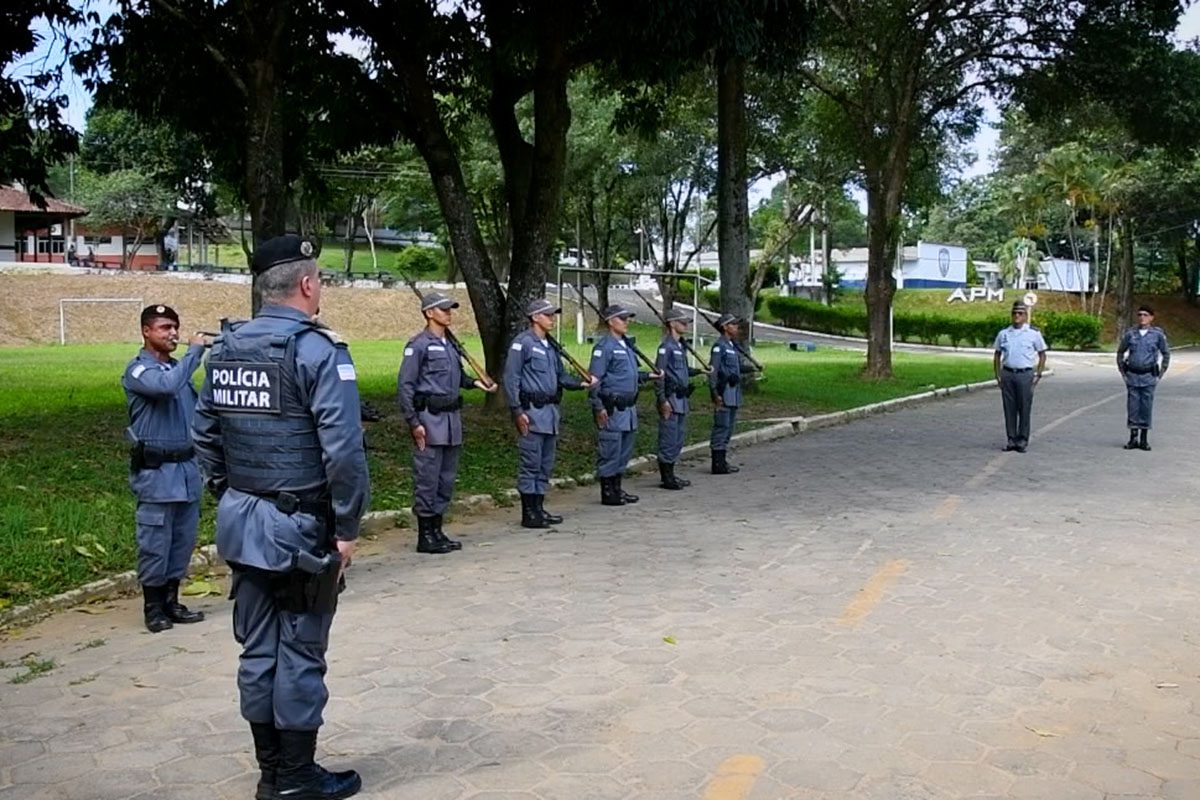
[206, 557]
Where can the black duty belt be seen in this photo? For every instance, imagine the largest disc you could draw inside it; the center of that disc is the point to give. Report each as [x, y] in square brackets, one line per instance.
[619, 402]
[1018, 369]
[540, 399]
[149, 457]
[684, 391]
[1141, 370]
[437, 403]
[292, 503]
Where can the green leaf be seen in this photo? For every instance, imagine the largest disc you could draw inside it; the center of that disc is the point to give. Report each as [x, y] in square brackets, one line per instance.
[669, 639]
[83, 551]
[201, 589]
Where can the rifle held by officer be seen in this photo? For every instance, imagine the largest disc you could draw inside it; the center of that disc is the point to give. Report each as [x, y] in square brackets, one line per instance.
[649, 364]
[453, 340]
[683, 340]
[735, 342]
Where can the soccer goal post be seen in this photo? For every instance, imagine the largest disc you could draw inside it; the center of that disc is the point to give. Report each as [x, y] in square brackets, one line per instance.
[62, 309]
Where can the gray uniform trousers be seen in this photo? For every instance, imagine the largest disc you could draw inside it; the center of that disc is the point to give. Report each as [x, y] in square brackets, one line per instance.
[614, 449]
[166, 537]
[434, 471]
[1016, 390]
[535, 462]
[1140, 403]
[723, 420]
[281, 671]
[671, 434]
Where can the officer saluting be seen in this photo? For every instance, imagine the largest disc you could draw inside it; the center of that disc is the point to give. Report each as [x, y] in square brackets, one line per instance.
[1138, 359]
[534, 377]
[431, 376]
[614, 402]
[672, 394]
[280, 442]
[162, 471]
[725, 386]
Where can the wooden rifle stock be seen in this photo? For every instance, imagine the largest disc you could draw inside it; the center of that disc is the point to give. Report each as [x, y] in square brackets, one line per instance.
[684, 341]
[649, 364]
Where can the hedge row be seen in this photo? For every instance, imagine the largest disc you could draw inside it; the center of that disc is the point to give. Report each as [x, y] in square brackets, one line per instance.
[1066, 331]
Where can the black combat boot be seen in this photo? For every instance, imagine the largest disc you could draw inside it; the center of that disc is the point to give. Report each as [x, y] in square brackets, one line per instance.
[300, 778]
[551, 519]
[610, 494]
[427, 541]
[1144, 444]
[177, 611]
[1132, 444]
[441, 536]
[720, 466]
[266, 750]
[153, 598]
[530, 516]
[624, 495]
[667, 473]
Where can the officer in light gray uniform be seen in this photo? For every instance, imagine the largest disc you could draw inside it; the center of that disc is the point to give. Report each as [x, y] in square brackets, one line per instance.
[431, 377]
[725, 387]
[162, 472]
[1019, 347]
[613, 398]
[671, 394]
[1142, 357]
[280, 442]
[534, 379]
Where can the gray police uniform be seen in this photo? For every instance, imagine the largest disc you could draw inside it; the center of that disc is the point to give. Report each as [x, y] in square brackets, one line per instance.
[430, 379]
[675, 388]
[534, 377]
[1138, 359]
[163, 476]
[1018, 348]
[615, 368]
[279, 438]
[725, 383]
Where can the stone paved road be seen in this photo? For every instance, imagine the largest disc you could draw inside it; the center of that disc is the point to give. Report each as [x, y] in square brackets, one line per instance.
[890, 610]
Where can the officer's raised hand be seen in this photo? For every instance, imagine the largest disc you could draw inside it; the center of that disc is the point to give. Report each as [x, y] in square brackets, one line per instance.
[198, 339]
[602, 418]
[522, 421]
[418, 434]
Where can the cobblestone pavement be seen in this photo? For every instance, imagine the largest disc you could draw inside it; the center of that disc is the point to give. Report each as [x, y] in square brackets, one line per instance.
[889, 610]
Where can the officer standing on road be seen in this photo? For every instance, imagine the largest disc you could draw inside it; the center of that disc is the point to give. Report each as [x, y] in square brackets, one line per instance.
[534, 379]
[162, 471]
[431, 376]
[725, 386]
[672, 394]
[280, 442]
[1142, 357]
[1018, 348]
[614, 402]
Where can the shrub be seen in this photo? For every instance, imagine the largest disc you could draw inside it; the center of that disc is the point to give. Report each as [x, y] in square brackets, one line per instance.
[1069, 330]
[417, 260]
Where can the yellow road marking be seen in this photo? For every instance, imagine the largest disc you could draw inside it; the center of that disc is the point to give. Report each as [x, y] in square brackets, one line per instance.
[869, 596]
[735, 778]
[947, 508]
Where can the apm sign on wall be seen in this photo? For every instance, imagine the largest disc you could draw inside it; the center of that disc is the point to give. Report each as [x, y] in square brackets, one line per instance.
[970, 295]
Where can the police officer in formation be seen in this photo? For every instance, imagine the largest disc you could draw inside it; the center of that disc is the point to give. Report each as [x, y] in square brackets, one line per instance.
[671, 395]
[280, 442]
[725, 386]
[1142, 357]
[162, 472]
[431, 377]
[1020, 358]
[613, 398]
[534, 379]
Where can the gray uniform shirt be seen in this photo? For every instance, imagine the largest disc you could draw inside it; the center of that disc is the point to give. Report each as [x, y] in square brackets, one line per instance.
[615, 367]
[672, 363]
[727, 371]
[533, 366]
[250, 530]
[161, 401]
[431, 367]
[1019, 347]
[1138, 356]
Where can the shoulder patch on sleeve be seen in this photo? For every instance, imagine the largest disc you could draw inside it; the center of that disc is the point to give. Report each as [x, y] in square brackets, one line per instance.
[137, 371]
[516, 346]
[597, 353]
[408, 351]
[662, 351]
[346, 372]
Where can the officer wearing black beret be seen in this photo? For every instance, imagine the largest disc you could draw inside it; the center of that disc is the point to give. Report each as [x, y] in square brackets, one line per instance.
[280, 442]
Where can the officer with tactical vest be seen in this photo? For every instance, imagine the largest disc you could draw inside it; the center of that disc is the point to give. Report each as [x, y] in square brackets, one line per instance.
[613, 398]
[672, 394]
[725, 386]
[431, 377]
[162, 472]
[534, 379]
[280, 442]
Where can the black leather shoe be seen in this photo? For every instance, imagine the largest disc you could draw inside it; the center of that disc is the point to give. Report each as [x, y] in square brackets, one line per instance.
[1020, 448]
[300, 778]
[610, 494]
[427, 541]
[626, 496]
[266, 752]
[530, 516]
[177, 611]
[1144, 446]
[441, 536]
[153, 612]
[720, 466]
[1131, 445]
[667, 474]
[1008, 448]
[551, 519]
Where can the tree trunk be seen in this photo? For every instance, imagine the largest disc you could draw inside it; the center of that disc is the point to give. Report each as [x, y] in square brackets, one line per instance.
[1124, 293]
[348, 247]
[883, 209]
[265, 187]
[1187, 272]
[733, 205]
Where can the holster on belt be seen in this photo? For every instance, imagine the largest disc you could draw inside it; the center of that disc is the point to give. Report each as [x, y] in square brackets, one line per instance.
[312, 585]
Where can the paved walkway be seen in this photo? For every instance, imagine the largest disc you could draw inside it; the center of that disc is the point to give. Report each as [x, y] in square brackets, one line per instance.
[889, 610]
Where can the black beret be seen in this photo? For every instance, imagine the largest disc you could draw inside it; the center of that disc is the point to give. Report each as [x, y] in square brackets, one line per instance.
[156, 312]
[284, 249]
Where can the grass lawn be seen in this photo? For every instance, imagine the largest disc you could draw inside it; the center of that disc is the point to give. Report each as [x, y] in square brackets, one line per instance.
[66, 514]
[332, 257]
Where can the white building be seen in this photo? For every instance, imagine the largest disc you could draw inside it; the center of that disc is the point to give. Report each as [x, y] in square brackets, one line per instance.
[927, 265]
